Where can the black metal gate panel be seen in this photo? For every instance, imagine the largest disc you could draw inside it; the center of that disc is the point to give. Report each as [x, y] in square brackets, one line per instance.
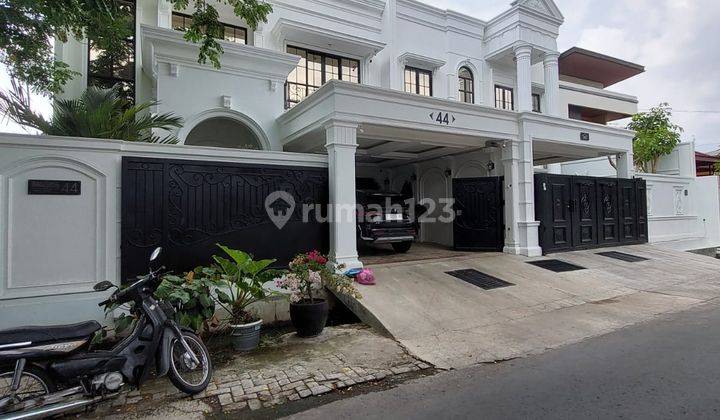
[188, 207]
[478, 223]
[584, 212]
[577, 212]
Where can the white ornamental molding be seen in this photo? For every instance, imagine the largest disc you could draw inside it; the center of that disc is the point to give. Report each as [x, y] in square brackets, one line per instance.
[226, 101]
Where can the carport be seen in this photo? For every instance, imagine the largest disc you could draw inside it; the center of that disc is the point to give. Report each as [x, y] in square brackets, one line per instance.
[442, 149]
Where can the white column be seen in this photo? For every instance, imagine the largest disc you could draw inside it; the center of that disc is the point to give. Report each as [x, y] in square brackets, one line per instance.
[524, 77]
[511, 166]
[625, 165]
[341, 143]
[552, 84]
[258, 36]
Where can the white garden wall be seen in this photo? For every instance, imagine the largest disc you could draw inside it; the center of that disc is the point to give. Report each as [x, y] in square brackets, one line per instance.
[53, 249]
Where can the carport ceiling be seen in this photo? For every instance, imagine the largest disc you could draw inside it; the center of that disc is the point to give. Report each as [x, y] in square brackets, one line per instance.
[547, 152]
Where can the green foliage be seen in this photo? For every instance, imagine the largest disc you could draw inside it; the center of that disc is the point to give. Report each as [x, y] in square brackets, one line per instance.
[28, 29]
[656, 136]
[192, 296]
[241, 280]
[206, 28]
[98, 113]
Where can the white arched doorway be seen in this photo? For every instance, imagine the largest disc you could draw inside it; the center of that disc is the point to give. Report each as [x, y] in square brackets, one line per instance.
[433, 189]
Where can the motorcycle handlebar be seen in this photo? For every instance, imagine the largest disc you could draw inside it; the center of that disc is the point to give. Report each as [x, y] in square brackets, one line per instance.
[119, 295]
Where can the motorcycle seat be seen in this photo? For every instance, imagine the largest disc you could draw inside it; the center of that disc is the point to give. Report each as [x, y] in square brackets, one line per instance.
[54, 333]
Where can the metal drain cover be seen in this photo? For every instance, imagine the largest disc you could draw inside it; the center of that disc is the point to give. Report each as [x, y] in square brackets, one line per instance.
[479, 279]
[622, 256]
[556, 265]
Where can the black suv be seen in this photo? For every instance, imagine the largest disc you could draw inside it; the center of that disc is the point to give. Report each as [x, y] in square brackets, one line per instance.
[384, 218]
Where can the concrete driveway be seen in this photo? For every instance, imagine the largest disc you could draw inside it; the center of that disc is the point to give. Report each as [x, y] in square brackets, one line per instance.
[451, 323]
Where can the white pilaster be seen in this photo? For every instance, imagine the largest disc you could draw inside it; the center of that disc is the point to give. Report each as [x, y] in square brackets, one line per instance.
[523, 61]
[625, 165]
[341, 144]
[164, 14]
[552, 84]
[511, 165]
[259, 36]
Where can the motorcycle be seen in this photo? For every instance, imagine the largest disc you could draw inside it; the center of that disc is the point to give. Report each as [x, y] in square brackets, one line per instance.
[46, 371]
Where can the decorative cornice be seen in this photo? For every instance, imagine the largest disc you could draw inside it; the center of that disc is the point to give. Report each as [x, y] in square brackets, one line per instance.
[283, 25]
[372, 9]
[167, 45]
[420, 61]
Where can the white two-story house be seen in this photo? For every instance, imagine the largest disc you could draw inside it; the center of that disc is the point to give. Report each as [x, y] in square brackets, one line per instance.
[396, 90]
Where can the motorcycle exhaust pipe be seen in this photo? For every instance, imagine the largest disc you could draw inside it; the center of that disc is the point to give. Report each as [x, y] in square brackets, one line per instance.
[50, 410]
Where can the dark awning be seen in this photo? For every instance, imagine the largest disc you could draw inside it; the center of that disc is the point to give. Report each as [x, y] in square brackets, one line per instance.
[603, 69]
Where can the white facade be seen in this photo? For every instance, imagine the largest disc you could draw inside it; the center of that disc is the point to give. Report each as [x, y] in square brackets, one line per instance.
[430, 139]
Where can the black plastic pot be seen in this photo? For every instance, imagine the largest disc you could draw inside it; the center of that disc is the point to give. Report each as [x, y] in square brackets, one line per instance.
[245, 337]
[309, 318]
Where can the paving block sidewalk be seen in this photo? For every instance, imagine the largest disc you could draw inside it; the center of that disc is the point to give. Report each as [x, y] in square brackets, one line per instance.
[289, 370]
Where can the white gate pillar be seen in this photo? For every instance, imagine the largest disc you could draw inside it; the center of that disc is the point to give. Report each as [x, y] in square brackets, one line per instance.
[625, 165]
[341, 143]
[521, 228]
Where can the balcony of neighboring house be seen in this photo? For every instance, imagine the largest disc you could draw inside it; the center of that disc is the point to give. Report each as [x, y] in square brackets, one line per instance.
[584, 79]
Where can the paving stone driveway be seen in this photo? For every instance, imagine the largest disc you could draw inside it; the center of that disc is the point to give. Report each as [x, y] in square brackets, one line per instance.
[292, 369]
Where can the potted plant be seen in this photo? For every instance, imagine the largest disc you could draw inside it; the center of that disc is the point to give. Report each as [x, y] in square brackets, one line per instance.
[240, 284]
[307, 275]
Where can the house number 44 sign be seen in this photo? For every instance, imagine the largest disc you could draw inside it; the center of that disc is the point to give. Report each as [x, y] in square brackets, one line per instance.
[444, 118]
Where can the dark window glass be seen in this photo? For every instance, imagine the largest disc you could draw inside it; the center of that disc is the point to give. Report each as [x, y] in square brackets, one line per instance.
[313, 70]
[115, 68]
[466, 86]
[232, 33]
[418, 81]
[536, 102]
[504, 98]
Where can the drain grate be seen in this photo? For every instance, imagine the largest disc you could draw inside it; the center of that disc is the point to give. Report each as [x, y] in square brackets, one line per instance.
[622, 256]
[479, 279]
[556, 265]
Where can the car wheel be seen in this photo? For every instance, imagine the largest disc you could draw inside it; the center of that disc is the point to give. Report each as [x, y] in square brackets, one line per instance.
[402, 247]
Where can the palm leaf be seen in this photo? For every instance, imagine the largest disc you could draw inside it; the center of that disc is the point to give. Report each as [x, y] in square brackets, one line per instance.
[98, 113]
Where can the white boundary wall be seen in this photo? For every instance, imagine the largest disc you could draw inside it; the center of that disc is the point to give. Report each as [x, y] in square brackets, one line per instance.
[53, 249]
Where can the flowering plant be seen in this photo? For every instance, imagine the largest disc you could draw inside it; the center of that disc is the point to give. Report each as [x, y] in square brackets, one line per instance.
[309, 273]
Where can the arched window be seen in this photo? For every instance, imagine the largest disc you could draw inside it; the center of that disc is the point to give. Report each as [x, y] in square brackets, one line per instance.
[466, 85]
[223, 132]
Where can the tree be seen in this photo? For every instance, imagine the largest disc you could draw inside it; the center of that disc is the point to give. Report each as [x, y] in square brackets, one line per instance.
[97, 113]
[28, 29]
[656, 136]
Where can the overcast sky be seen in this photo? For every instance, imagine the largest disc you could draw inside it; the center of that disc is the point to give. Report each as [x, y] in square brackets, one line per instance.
[678, 41]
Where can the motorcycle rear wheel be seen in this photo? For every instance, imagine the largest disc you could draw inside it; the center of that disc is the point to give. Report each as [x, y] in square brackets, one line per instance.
[187, 376]
[34, 383]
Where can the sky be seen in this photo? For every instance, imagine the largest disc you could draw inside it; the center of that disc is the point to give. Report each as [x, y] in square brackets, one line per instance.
[678, 42]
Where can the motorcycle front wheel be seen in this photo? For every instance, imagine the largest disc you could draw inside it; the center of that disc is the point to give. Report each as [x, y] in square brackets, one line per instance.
[188, 376]
[34, 383]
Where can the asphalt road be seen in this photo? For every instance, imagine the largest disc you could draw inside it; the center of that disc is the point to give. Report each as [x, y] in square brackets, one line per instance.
[667, 368]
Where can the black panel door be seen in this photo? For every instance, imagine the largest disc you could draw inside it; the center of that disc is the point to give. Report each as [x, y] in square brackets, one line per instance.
[607, 205]
[628, 211]
[642, 217]
[584, 212]
[478, 224]
[187, 207]
[552, 207]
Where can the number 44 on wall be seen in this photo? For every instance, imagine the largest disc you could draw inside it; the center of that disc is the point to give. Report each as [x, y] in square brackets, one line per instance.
[442, 117]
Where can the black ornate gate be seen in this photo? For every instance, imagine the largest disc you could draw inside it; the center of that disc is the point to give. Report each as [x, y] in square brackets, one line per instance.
[478, 224]
[187, 207]
[577, 212]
